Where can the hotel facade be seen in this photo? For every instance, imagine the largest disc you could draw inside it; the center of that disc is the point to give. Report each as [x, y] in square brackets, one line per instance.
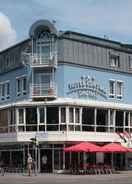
[63, 88]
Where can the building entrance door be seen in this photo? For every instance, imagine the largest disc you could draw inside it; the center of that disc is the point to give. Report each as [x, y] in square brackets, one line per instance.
[46, 160]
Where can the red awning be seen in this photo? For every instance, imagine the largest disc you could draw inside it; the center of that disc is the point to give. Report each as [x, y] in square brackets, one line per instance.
[113, 147]
[83, 147]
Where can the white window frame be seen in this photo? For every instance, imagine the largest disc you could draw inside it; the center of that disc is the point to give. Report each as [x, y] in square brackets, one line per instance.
[62, 123]
[6, 89]
[114, 60]
[130, 62]
[120, 96]
[18, 92]
[114, 93]
[38, 112]
[4, 85]
[1, 91]
[72, 123]
[75, 116]
[22, 90]
[24, 122]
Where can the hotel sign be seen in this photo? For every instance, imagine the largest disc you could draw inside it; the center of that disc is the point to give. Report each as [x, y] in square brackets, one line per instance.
[86, 87]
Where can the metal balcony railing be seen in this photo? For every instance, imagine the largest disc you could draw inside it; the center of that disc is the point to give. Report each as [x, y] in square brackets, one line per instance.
[36, 60]
[42, 91]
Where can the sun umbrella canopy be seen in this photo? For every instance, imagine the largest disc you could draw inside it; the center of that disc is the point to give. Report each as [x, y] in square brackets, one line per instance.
[113, 147]
[83, 147]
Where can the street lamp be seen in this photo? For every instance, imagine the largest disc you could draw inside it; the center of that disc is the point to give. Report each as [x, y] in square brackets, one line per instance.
[35, 144]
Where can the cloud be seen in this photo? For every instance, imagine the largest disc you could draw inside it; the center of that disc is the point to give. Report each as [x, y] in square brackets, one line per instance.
[7, 33]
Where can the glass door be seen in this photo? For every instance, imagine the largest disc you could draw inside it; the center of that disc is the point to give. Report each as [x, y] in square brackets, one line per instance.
[43, 52]
[43, 82]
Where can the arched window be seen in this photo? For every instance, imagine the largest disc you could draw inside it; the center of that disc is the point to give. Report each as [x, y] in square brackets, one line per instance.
[43, 46]
[43, 35]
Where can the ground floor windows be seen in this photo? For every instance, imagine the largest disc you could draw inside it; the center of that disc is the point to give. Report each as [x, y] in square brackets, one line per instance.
[51, 157]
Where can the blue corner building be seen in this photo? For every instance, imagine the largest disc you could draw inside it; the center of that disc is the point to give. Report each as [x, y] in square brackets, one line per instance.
[63, 88]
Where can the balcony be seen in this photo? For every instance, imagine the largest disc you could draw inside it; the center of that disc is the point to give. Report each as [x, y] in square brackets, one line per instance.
[40, 91]
[36, 60]
[42, 61]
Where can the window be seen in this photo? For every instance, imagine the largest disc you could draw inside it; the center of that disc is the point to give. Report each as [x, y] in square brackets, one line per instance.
[119, 89]
[77, 115]
[130, 62]
[21, 86]
[24, 85]
[116, 89]
[114, 61]
[18, 84]
[11, 116]
[21, 116]
[5, 90]
[42, 115]
[131, 119]
[31, 115]
[111, 88]
[71, 115]
[112, 117]
[63, 115]
[0, 91]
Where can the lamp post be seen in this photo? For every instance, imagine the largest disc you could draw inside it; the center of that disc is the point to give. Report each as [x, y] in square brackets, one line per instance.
[35, 143]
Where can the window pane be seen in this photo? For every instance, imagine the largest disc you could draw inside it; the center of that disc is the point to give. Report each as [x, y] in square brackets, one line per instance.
[8, 89]
[77, 117]
[114, 61]
[3, 90]
[112, 88]
[21, 116]
[18, 85]
[131, 119]
[11, 117]
[42, 115]
[63, 115]
[71, 115]
[31, 116]
[126, 119]
[24, 84]
[119, 88]
[111, 117]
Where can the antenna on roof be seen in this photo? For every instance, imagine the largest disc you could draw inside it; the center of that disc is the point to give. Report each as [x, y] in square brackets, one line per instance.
[54, 21]
[106, 37]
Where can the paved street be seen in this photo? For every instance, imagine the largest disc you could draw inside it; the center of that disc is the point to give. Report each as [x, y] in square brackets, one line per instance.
[125, 178]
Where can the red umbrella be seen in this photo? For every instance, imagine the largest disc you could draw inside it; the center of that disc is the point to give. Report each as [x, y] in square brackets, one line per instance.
[113, 147]
[83, 147]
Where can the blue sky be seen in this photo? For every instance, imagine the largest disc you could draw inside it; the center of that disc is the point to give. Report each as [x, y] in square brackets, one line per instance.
[93, 17]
